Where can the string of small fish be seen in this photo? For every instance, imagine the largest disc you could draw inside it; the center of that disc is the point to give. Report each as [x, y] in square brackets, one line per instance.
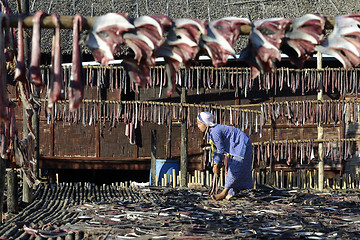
[300, 81]
[297, 113]
[305, 151]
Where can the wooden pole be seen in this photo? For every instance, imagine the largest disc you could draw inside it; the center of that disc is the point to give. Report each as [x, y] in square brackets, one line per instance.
[2, 186]
[12, 192]
[320, 129]
[35, 125]
[153, 158]
[168, 142]
[184, 142]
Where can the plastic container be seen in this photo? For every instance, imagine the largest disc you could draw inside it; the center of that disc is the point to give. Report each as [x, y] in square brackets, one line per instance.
[165, 166]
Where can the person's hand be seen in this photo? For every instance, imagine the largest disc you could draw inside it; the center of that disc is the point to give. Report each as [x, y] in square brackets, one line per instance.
[216, 169]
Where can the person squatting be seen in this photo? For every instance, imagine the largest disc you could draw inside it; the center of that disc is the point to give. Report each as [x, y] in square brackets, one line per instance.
[234, 143]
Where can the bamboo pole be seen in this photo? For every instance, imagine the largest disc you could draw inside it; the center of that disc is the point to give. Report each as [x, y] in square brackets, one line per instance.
[202, 178]
[320, 129]
[174, 178]
[165, 179]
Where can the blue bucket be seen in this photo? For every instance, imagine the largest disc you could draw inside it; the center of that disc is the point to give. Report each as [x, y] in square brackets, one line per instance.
[165, 166]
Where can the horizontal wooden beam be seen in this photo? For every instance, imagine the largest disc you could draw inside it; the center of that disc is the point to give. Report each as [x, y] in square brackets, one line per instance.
[66, 22]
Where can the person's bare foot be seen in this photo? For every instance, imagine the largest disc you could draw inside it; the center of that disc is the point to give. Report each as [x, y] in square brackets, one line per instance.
[229, 197]
[218, 197]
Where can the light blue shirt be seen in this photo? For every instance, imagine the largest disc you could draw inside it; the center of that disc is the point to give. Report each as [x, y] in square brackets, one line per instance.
[235, 142]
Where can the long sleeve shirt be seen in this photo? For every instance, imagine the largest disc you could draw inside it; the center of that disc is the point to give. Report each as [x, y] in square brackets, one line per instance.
[228, 140]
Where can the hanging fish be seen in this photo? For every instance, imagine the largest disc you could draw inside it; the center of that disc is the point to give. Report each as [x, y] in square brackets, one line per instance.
[35, 73]
[180, 46]
[264, 45]
[106, 35]
[56, 90]
[221, 37]
[144, 40]
[76, 88]
[344, 41]
[300, 41]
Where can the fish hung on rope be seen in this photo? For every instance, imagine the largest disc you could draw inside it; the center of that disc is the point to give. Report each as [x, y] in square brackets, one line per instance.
[344, 41]
[56, 85]
[4, 101]
[106, 35]
[35, 72]
[264, 44]
[20, 70]
[180, 46]
[300, 41]
[146, 38]
[221, 37]
[76, 87]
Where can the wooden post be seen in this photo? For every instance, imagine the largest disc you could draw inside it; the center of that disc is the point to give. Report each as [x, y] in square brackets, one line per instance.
[184, 142]
[12, 193]
[168, 141]
[153, 158]
[316, 179]
[320, 129]
[2, 186]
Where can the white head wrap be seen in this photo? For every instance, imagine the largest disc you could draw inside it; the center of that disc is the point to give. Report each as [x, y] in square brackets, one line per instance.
[206, 118]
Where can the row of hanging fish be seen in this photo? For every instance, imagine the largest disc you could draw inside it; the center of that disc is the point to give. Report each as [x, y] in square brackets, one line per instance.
[311, 111]
[292, 112]
[137, 112]
[331, 80]
[180, 41]
[33, 77]
[186, 39]
[7, 107]
[294, 152]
